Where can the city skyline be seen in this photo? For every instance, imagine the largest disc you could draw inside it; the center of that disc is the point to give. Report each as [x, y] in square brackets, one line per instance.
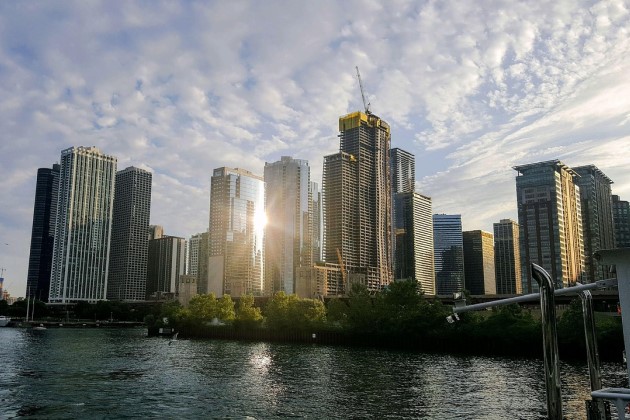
[181, 89]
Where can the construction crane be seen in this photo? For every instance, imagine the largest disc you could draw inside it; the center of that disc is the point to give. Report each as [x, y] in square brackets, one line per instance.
[366, 104]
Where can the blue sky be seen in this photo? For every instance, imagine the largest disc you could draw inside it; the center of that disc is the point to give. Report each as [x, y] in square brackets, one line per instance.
[181, 88]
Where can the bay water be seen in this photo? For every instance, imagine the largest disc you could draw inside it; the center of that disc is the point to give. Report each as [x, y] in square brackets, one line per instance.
[121, 373]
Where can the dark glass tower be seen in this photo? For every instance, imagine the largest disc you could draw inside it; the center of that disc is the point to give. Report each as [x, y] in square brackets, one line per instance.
[507, 257]
[621, 214]
[43, 233]
[129, 243]
[597, 218]
[449, 253]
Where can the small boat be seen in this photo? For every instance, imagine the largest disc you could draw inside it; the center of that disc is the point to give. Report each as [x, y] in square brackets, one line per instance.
[4, 321]
[39, 327]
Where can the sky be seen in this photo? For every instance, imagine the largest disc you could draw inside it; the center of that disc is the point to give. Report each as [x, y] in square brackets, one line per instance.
[182, 87]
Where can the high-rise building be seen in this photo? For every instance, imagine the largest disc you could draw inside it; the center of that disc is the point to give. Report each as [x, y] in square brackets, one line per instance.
[237, 223]
[448, 253]
[479, 262]
[129, 243]
[358, 201]
[43, 233]
[192, 254]
[597, 219]
[166, 263]
[403, 171]
[318, 220]
[413, 223]
[155, 232]
[507, 257]
[203, 276]
[621, 215]
[83, 226]
[550, 221]
[289, 228]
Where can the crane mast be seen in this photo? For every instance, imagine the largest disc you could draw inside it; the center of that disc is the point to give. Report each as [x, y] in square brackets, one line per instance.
[366, 104]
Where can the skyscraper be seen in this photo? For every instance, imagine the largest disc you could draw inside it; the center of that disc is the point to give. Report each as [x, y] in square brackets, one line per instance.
[289, 228]
[165, 264]
[43, 233]
[203, 276]
[413, 223]
[597, 218]
[449, 253]
[550, 220]
[318, 219]
[129, 243]
[479, 262]
[83, 226]
[403, 171]
[358, 201]
[237, 222]
[192, 254]
[507, 257]
[621, 215]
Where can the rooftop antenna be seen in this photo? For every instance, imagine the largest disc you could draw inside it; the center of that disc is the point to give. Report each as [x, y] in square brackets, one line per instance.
[366, 104]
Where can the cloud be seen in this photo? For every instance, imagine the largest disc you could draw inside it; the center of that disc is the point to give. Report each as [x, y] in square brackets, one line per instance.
[186, 87]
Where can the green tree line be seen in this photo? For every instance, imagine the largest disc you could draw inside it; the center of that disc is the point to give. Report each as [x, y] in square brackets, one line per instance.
[399, 316]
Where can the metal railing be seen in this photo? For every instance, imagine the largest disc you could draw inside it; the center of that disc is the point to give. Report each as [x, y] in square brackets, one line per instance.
[620, 258]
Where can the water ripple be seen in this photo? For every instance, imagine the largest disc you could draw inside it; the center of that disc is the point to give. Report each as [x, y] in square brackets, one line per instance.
[111, 374]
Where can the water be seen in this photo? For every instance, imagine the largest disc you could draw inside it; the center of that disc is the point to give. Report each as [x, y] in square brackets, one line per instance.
[121, 373]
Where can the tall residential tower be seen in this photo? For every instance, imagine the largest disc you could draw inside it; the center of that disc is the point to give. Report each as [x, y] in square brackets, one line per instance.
[358, 201]
[479, 262]
[507, 257]
[129, 243]
[550, 220]
[449, 253]
[83, 226]
[621, 214]
[289, 228]
[413, 223]
[237, 222]
[43, 233]
[597, 219]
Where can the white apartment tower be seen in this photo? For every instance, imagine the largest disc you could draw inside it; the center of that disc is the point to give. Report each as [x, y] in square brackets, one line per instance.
[83, 226]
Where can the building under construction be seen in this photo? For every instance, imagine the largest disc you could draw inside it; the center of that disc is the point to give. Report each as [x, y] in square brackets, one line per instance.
[358, 201]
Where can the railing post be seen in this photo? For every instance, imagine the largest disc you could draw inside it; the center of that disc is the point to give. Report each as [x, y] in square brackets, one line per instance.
[620, 257]
[592, 353]
[550, 342]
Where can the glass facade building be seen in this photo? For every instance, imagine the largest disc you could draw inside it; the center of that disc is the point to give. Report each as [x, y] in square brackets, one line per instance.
[507, 257]
[166, 263]
[621, 217]
[289, 228]
[550, 221]
[237, 223]
[449, 253]
[43, 233]
[479, 262]
[83, 226]
[129, 243]
[597, 219]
